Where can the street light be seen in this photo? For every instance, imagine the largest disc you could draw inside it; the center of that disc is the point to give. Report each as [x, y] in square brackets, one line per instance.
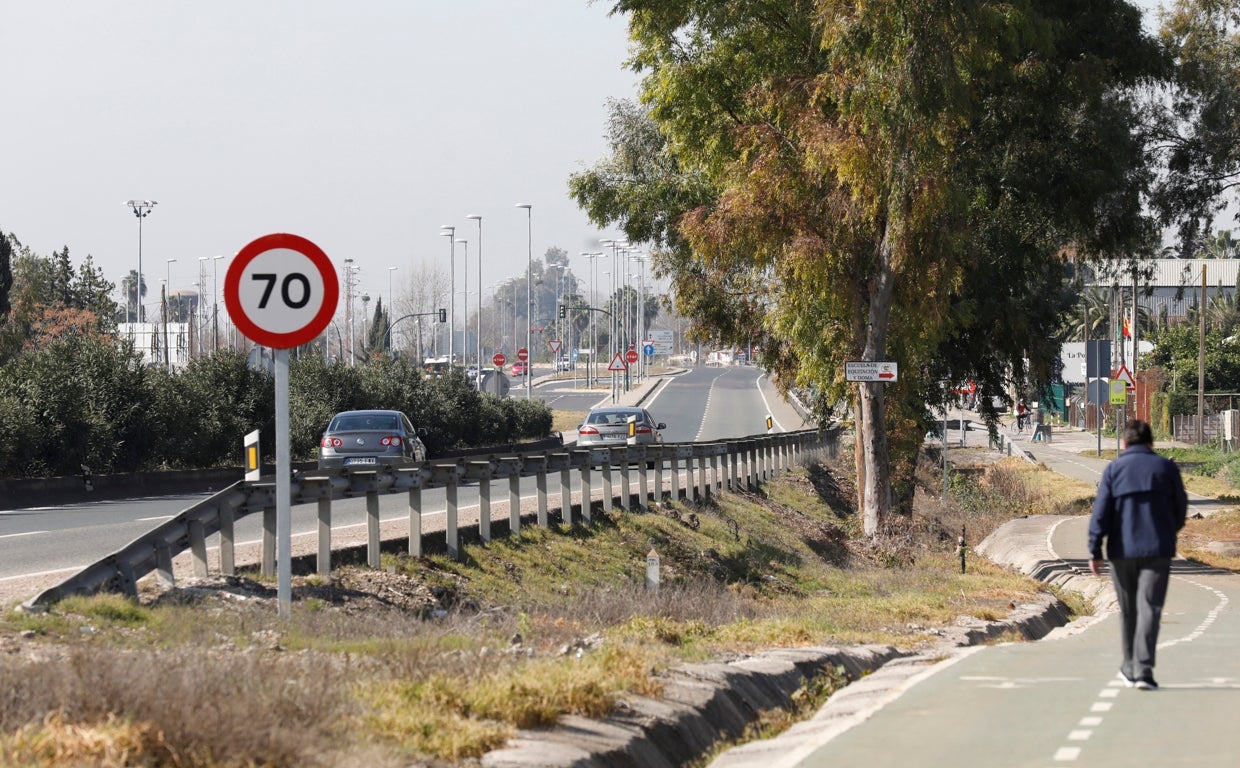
[391, 312]
[348, 306]
[215, 302]
[465, 307]
[529, 286]
[167, 297]
[478, 379]
[141, 209]
[451, 235]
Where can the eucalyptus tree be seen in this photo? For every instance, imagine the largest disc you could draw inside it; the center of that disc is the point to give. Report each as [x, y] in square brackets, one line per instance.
[880, 181]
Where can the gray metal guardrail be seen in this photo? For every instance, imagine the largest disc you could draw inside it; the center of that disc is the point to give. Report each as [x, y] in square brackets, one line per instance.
[706, 467]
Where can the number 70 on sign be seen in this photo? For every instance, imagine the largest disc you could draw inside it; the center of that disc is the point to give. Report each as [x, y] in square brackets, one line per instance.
[281, 291]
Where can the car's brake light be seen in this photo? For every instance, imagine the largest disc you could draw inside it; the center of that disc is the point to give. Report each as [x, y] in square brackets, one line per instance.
[643, 430]
[394, 440]
[587, 431]
[331, 442]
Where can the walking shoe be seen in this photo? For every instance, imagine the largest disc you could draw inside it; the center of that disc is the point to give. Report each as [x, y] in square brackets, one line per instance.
[1147, 684]
[1128, 681]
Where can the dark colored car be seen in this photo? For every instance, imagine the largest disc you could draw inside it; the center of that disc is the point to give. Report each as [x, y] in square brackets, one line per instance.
[370, 439]
[610, 426]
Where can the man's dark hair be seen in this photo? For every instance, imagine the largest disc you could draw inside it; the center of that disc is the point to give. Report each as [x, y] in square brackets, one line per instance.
[1138, 432]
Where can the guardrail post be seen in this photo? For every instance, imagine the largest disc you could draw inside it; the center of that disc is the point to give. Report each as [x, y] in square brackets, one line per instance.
[566, 490]
[415, 522]
[481, 471]
[514, 496]
[715, 484]
[540, 481]
[484, 509]
[228, 541]
[452, 533]
[269, 541]
[587, 492]
[621, 456]
[675, 475]
[703, 487]
[690, 482]
[733, 449]
[639, 453]
[198, 546]
[163, 564]
[659, 453]
[609, 498]
[372, 528]
[324, 563]
[752, 464]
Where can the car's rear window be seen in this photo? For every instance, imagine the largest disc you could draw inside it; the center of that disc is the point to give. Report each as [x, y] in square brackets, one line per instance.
[609, 417]
[360, 423]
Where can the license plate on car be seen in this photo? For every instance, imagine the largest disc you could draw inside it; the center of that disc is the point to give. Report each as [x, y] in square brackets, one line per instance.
[360, 460]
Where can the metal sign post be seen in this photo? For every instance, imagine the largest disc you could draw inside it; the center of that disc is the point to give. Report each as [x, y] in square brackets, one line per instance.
[281, 292]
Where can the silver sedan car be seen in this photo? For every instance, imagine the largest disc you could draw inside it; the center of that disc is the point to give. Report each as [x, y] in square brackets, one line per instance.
[370, 439]
[609, 425]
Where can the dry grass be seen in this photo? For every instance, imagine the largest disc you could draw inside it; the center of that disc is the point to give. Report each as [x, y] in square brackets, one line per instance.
[459, 654]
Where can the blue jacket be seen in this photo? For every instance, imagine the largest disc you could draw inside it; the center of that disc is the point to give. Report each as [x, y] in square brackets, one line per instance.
[1140, 506]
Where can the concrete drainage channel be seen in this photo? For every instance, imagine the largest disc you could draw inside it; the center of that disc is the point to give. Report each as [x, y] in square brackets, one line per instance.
[705, 703]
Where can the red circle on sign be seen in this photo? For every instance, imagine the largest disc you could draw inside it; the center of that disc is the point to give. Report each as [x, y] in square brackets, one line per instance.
[248, 326]
[498, 360]
[631, 356]
[523, 354]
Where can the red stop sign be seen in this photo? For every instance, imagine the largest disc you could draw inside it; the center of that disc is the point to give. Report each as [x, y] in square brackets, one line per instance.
[523, 354]
[498, 360]
[631, 356]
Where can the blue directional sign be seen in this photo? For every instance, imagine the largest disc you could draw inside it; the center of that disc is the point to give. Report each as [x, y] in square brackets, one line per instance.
[574, 354]
[648, 349]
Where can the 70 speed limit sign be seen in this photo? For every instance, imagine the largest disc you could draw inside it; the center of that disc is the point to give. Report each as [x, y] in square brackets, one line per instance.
[281, 291]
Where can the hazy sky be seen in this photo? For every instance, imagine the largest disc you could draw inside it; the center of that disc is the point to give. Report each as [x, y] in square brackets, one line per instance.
[362, 126]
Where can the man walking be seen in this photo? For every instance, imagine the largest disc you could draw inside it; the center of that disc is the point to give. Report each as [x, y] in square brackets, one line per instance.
[1141, 504]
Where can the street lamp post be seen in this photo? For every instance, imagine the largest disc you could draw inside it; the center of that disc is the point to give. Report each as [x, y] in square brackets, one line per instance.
[465, 304]
[391, 312]
[167, 297]
[215, 301]
[141, 209]
[529, 286]
[365, 314]
[348, 306]
[451, 235]
[478, 379]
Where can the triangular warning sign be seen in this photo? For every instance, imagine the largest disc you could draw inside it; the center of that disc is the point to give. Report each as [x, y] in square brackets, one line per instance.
[617, 363]
[1125, 376]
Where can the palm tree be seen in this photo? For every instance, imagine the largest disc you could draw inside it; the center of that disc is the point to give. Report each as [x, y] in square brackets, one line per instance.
[127, 285]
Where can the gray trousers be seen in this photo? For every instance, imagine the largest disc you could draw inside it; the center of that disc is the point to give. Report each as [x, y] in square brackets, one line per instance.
[1141, 589]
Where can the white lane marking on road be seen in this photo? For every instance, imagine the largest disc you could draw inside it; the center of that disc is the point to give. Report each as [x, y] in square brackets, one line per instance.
[157, 518]
[1090, 721]
[42, 573]
[1067, 754]
[1207, 622]
[1081, 735]
[27, 533]
[1101, 706]
[706, 409]
[767, 403]
[1108, 693]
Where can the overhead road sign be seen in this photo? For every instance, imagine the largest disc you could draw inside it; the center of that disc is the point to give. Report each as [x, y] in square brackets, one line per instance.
[864, 370]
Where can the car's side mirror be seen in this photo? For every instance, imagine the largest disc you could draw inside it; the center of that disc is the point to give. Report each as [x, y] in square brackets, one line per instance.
[661, 426]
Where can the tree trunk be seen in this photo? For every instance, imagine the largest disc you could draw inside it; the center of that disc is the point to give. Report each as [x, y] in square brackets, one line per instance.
[874, 484]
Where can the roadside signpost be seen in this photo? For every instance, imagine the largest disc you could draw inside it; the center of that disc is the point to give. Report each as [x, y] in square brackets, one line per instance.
[523, 354]
[281, 292]
[554, 345]
[864, 370]
[630, 357]
[498, 360]
[617, 363]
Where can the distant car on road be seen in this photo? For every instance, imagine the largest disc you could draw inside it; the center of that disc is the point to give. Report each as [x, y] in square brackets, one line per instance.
[370, 439]
[520, 368]
[609, 425]
[563, 364]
